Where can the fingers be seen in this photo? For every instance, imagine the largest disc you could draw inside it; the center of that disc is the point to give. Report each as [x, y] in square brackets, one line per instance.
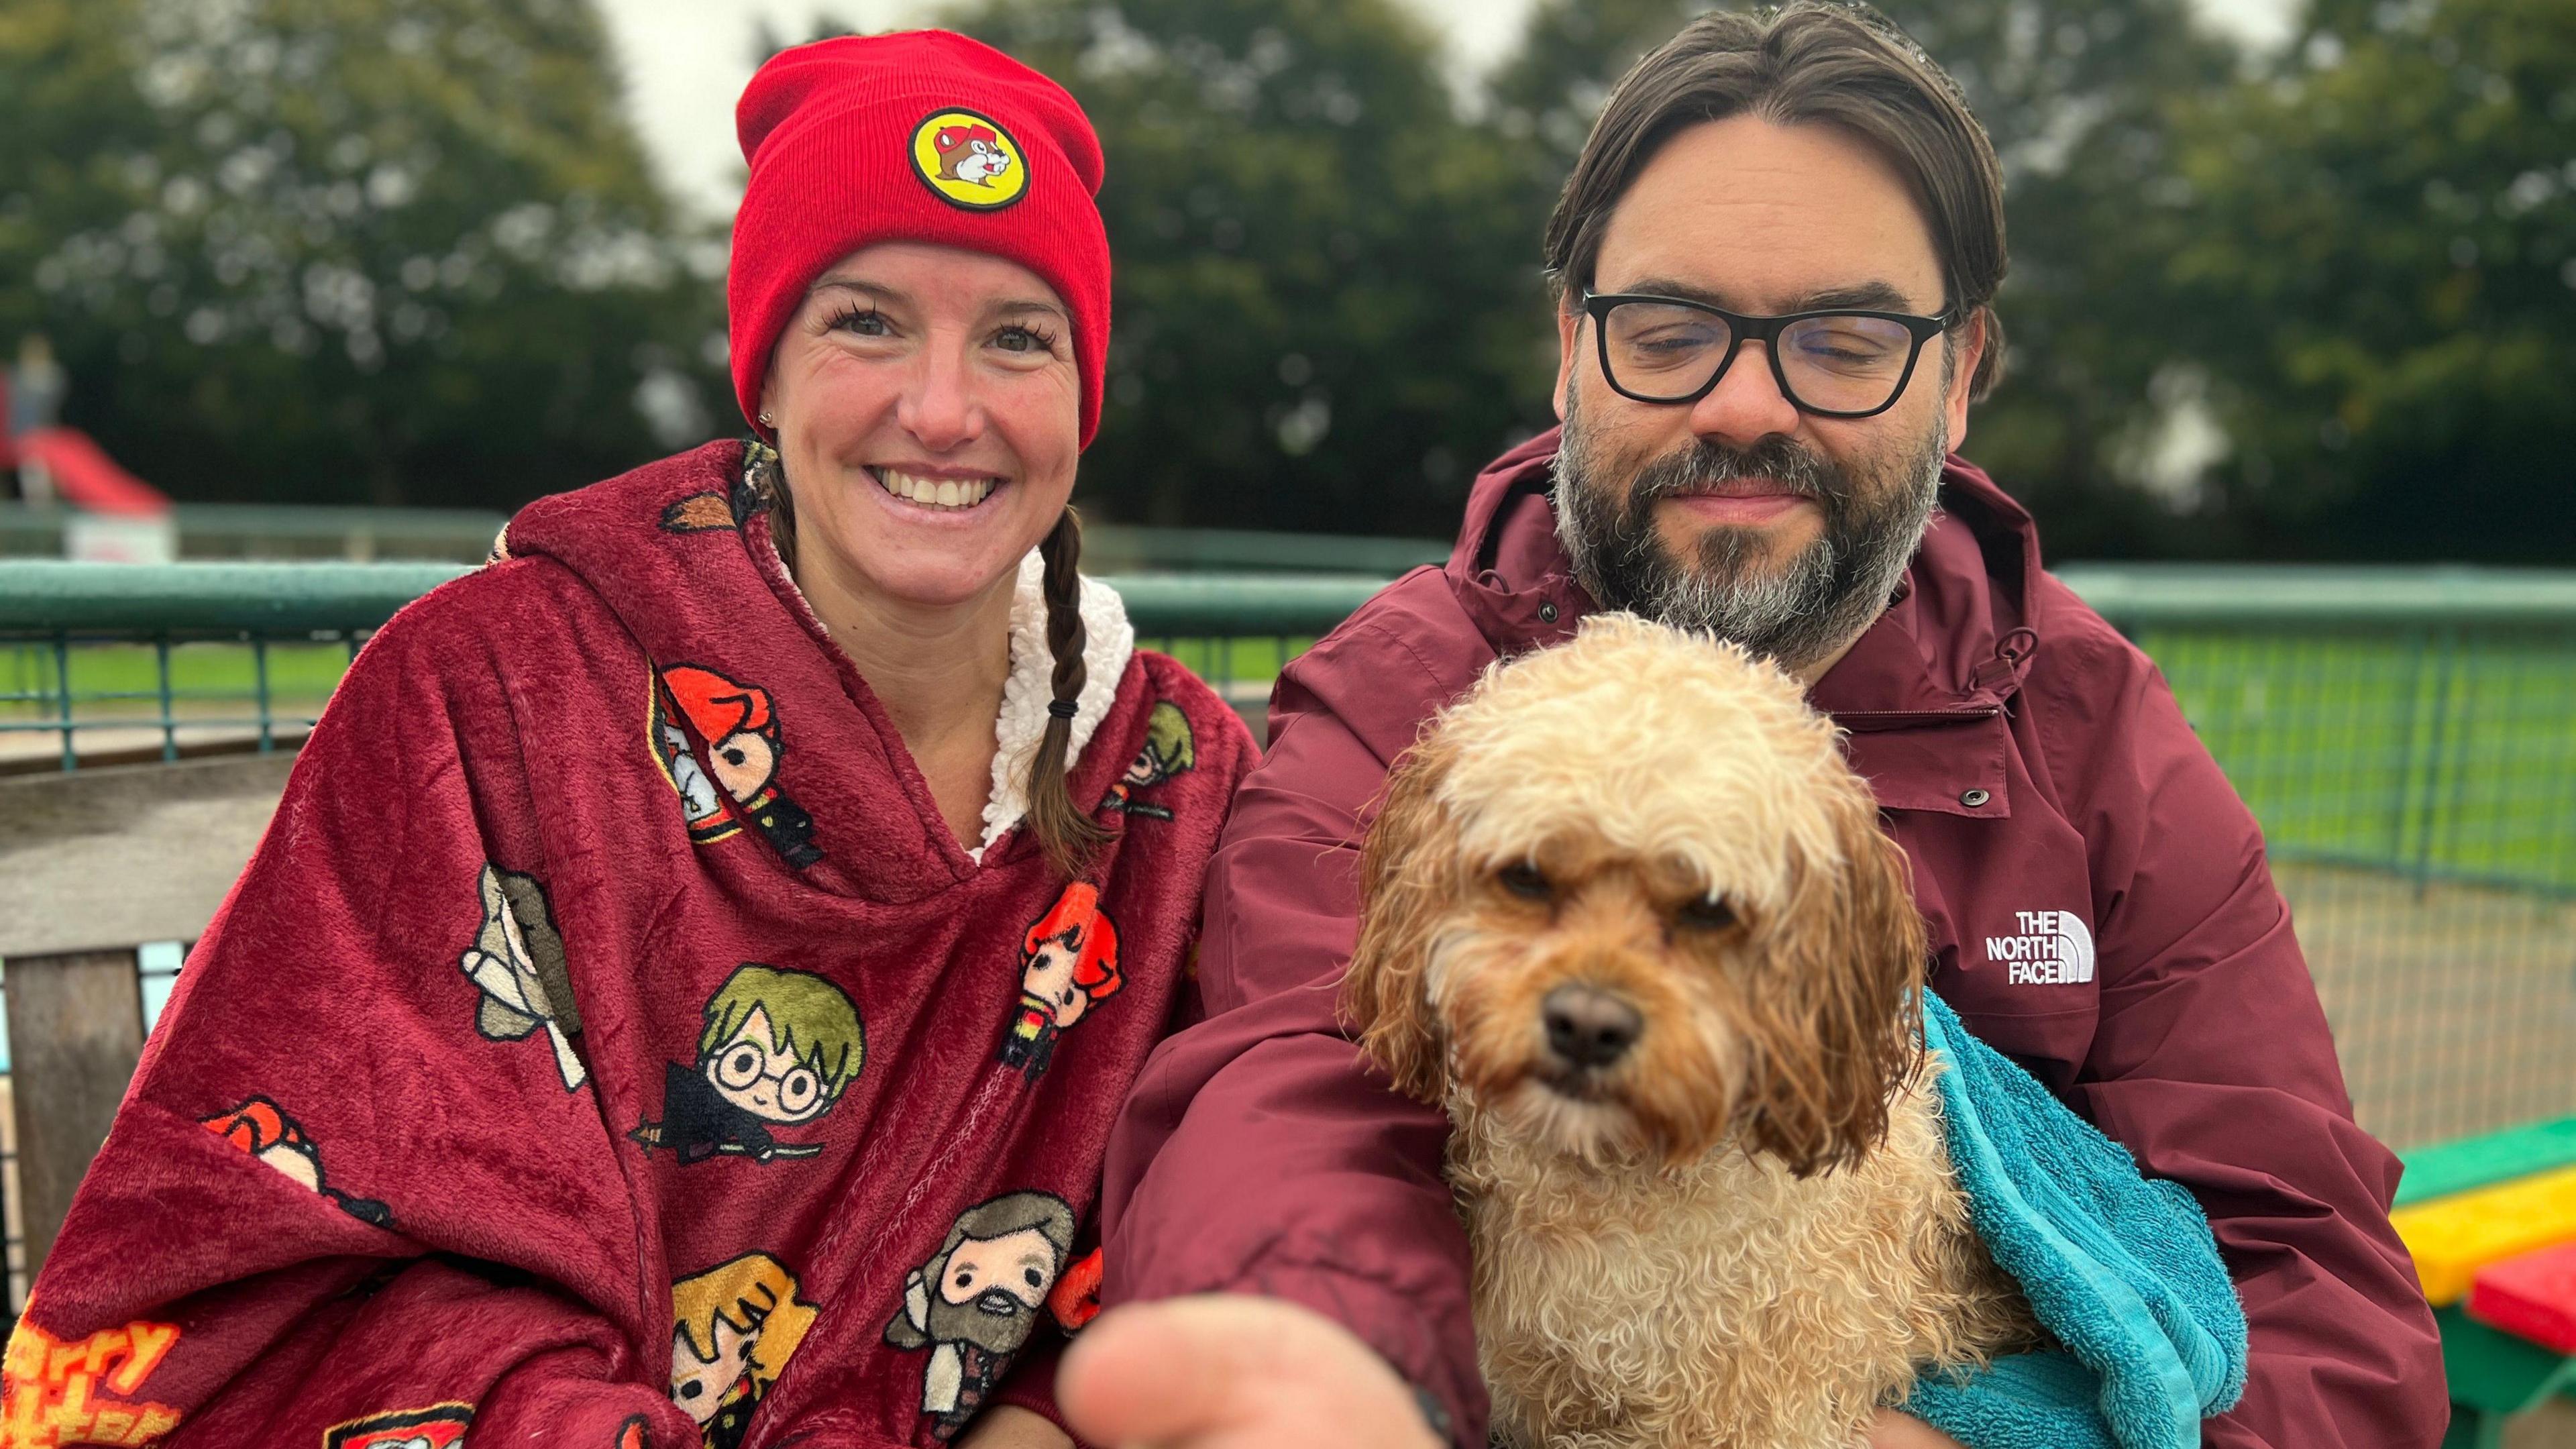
[1155, 1373]
[1231, 1371]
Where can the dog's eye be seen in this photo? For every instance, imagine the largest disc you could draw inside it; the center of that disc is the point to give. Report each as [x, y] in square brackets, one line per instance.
[1526, 881]
[1708, 913]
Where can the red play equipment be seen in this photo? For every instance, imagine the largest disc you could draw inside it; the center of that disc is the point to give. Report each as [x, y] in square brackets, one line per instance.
[83, 476]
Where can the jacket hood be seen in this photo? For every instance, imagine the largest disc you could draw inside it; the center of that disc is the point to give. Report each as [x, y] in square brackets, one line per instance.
[1957, 635]
[680, 552]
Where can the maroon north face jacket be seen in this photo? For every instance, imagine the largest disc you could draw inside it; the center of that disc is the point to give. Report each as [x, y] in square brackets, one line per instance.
[2041, 779]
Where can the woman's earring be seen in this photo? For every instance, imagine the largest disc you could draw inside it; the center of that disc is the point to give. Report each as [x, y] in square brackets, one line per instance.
[767, 421]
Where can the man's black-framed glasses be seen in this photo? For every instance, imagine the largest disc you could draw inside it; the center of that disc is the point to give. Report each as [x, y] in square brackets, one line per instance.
[1833, 364]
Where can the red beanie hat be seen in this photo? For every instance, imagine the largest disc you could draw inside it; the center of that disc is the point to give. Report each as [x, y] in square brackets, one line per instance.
[922, 136]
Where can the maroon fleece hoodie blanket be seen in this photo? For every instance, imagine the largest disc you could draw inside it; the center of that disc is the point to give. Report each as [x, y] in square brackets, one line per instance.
[610, 1046]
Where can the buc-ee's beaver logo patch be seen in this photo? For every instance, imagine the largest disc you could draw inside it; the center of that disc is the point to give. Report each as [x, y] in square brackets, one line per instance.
[969, 160]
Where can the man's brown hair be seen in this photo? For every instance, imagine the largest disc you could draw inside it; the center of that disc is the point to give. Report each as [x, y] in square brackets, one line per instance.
[1815, 62]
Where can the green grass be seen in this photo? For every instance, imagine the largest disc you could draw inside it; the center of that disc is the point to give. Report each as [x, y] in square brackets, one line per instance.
[2445, 755]
[121, 684]
[2449, 756]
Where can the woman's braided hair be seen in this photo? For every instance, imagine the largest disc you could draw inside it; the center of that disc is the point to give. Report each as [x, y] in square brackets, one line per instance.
[1065, 831]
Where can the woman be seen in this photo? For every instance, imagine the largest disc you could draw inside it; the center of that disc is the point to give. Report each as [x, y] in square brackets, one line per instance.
[630, 1030]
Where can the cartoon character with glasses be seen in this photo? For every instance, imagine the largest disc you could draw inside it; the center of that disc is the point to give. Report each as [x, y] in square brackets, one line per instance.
[777, 1050]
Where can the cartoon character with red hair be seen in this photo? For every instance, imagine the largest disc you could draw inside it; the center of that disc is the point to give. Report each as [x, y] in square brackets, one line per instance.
[738, 779]
[1068, 960]
[259, 1127]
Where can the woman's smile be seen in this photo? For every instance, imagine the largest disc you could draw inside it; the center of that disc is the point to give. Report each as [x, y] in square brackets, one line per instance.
[952, 494]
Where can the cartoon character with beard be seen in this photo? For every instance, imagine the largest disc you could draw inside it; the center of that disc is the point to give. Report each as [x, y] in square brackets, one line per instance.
[977, 1299]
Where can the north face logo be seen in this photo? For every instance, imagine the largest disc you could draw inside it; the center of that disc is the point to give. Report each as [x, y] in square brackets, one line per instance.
[2055, 948]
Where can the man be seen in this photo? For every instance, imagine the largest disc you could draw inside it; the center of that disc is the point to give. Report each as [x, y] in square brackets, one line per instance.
[1775, 258]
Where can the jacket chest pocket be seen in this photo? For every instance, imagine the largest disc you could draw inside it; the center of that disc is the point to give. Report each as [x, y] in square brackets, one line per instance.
[2009, 909]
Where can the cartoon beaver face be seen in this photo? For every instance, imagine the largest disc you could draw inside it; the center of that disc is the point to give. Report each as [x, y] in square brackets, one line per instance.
[970, 153]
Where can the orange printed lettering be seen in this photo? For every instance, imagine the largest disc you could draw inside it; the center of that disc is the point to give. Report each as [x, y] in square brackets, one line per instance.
[49, 1389]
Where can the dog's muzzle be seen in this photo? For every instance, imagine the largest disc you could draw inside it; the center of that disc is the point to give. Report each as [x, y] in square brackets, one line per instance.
[1588, 1029]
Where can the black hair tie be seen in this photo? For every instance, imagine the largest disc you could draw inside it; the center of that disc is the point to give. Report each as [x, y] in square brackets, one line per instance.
[1062, 708]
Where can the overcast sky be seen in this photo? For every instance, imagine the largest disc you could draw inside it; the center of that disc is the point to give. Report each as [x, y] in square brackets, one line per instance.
[686, 62]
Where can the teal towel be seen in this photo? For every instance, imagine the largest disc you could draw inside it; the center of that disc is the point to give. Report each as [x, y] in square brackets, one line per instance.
[2120, 1267]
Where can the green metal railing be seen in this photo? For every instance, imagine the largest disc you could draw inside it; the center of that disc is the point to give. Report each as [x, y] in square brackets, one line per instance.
[284, 531]
[2406, 737]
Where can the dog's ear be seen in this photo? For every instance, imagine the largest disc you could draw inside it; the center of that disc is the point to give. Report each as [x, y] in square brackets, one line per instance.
[1408, 887]
[1839, 1028]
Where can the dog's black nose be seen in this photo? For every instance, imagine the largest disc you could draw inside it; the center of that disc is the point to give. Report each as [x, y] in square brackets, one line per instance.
[1588, 1027]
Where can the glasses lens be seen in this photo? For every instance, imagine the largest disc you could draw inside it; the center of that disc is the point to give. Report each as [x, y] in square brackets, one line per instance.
[1845, 364]
[740, 1066]
[1662, 351]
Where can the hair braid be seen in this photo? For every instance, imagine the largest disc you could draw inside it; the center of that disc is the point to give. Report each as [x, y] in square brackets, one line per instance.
[1064, 829]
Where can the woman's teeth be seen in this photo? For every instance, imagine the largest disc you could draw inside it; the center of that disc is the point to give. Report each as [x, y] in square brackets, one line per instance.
[935, 492]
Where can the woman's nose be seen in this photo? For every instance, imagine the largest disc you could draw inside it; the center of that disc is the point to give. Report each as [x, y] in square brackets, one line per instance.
[940, 408]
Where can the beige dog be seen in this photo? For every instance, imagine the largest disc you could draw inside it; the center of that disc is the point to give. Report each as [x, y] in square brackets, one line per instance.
[1629, 916]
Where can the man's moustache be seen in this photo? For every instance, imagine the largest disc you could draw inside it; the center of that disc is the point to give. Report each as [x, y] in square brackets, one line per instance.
[1705, 468]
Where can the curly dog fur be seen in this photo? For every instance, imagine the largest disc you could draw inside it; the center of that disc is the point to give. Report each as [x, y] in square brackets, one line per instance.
[1629, 917]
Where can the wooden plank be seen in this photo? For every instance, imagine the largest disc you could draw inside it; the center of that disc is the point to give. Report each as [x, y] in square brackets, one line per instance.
[101, 860]
[75, 1032]
[2453, 1237]
[2443, 1168]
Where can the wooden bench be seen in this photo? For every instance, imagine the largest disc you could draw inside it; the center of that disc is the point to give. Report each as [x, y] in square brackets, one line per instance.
[95, 864]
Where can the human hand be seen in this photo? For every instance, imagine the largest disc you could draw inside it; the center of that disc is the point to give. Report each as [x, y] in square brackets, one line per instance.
[1008, 1426]
[1892, 1430]
[1233, 1371]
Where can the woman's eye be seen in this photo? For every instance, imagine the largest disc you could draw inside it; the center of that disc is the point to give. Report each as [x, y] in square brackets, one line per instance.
[1022, 339]
[870, 323]
[1708, 913]
[1526, 881]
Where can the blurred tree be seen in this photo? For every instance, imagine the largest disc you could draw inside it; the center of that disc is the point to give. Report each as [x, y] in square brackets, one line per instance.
[2380, 262]
[399, 251]
[2082, 99]
[1327, 314]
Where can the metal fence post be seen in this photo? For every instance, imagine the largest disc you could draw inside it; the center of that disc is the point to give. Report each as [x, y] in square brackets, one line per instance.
[75, 1033]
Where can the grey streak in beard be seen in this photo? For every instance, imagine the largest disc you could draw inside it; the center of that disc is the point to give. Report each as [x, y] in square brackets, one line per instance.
[1796, 614]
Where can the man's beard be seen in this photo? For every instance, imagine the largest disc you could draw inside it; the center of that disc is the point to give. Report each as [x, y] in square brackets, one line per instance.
[1795, 613]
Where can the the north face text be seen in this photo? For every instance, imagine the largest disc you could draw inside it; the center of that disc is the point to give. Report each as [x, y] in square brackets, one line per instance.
[2054, 948]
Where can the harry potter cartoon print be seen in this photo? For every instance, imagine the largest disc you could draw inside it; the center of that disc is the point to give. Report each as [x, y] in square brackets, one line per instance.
[734, 1328]
[776, 1050]
[1068, 960]
[261, 1129]
[738, 778]
[440, 1426]
[977, 1299]
[1170, 749]
[517, 962]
